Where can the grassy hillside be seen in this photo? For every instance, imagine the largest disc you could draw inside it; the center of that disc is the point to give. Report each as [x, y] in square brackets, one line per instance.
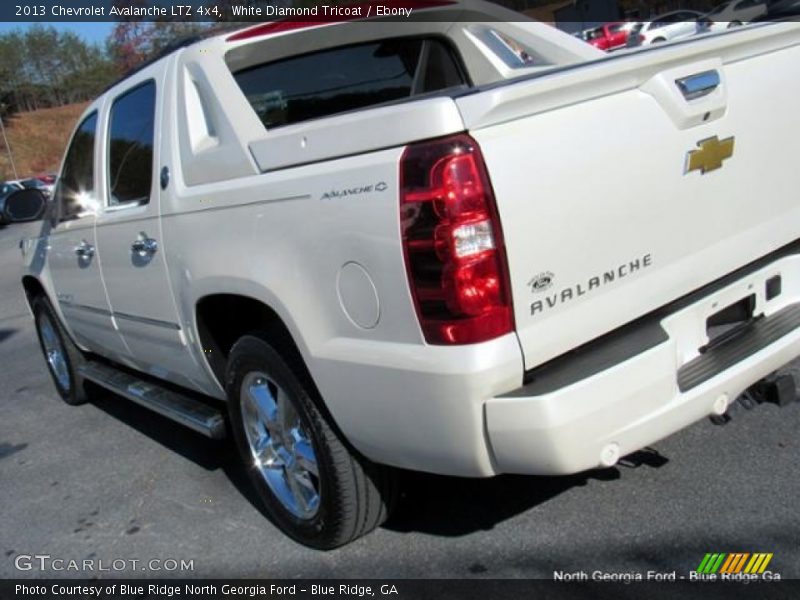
[38, 140]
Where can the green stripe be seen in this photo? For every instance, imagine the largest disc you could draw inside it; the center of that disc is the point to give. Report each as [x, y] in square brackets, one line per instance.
[703, 563]
[710, 563]
[719, 562]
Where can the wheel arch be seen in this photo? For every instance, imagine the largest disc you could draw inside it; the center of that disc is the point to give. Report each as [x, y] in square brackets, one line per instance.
[33, 287]
[222, 318]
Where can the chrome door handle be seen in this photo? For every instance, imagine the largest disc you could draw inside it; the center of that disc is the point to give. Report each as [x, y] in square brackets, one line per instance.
[84, 249]
[145, 246]
[699, 85]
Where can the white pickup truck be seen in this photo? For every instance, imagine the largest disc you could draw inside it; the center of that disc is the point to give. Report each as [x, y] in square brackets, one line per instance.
[463, 247]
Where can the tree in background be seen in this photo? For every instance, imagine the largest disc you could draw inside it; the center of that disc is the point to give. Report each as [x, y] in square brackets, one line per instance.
[133, 42]
[127, 45]
[42, 67]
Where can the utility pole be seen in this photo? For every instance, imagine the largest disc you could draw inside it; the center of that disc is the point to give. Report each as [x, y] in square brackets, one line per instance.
[8, 147]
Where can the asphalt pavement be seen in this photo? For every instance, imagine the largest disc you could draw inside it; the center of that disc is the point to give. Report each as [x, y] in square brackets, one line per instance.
[109, 481]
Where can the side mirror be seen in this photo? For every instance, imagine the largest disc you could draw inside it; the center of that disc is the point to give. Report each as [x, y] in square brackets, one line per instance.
[25, 205]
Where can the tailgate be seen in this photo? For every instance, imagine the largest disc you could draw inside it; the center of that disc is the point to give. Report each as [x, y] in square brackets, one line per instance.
[620, 191]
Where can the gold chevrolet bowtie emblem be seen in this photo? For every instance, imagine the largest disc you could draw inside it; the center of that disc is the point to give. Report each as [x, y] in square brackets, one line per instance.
[710, 155]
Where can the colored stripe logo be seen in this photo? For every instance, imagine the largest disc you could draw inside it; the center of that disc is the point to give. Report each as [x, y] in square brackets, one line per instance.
[735, 562]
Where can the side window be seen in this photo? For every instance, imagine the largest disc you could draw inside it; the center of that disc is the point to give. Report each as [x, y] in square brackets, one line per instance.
[441, 71]
[130, 146]
[73, 194]
[342, 79]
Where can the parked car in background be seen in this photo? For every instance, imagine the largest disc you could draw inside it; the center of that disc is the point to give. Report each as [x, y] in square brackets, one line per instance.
[609, 36]
[49, 179]
[6, 189]
[675, 25]
[735, 13]
[35, 183]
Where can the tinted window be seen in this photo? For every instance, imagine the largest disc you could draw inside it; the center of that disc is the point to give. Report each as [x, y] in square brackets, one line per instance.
[342, 79]
[441, 71]
[130, 154]
[76, 184]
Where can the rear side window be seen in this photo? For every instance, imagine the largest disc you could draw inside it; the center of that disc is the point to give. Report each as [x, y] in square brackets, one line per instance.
[511, 51]
[73, 193]
[130, 152]
[342, 79]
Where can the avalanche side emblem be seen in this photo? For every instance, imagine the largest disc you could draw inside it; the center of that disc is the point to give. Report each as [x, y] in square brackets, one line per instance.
[710, 156]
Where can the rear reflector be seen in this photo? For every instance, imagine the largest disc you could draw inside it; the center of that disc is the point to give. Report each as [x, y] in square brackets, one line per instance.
[453, 244]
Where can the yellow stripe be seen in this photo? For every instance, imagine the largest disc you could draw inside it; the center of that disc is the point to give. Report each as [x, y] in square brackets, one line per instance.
[759, 558]
[751, 564]
[727, 562]
[740, 564]
[765, 563]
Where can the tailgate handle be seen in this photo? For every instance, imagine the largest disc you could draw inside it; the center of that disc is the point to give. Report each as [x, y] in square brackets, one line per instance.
[699, 84]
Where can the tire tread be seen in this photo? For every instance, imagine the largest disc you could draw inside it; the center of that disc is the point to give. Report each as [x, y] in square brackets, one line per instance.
[361, 494]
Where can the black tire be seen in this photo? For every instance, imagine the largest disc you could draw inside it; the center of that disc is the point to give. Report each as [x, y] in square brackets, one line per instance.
[659, 40]
[72, 388]
[354, 495]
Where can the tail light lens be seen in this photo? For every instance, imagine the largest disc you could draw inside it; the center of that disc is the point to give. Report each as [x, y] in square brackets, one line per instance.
[453, 244]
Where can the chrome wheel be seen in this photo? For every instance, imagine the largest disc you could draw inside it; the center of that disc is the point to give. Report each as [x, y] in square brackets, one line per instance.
[54, 351]
[280, 446]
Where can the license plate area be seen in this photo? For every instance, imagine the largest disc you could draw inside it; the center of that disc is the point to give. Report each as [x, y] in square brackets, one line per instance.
[731, 321]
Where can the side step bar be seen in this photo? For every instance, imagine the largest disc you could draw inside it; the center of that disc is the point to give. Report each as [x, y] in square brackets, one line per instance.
[182, 409]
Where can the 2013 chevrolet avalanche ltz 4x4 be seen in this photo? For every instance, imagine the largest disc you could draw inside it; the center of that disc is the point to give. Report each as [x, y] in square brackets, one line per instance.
[369, 245]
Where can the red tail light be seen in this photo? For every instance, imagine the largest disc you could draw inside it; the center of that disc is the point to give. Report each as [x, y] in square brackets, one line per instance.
[453, 243]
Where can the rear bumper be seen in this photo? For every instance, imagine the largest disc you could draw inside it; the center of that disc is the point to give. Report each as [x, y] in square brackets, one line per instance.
[563, 423]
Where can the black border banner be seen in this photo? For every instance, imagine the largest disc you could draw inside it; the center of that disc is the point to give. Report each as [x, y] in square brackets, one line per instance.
[582, 11]
[401, 589]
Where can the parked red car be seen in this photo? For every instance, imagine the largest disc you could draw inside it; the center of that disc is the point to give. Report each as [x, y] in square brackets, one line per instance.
[608, 36]
[47, 178]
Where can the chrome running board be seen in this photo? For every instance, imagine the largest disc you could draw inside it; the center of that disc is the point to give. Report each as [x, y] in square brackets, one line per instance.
[177, 407]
